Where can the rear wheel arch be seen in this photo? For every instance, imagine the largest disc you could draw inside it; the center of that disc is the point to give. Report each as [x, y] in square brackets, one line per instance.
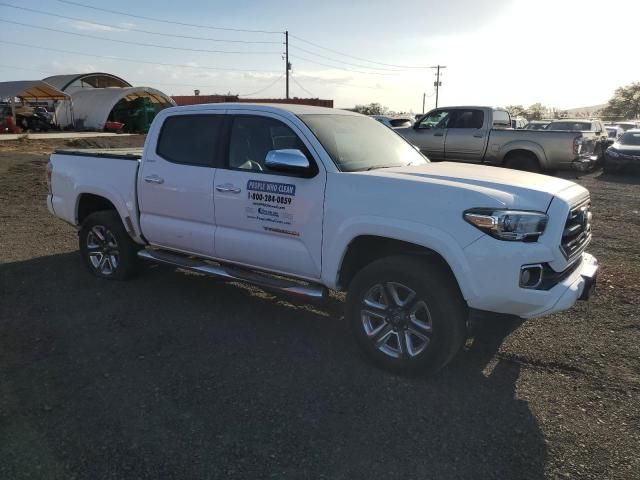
[522, 159]
[89, 203]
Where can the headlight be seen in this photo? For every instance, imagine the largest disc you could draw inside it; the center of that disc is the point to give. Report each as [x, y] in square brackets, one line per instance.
[612, 153]
[513, 225]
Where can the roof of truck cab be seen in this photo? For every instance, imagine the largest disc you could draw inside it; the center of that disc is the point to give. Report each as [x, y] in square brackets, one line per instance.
[295, 109]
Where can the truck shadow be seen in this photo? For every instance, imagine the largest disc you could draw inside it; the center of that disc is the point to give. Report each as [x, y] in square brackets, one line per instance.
[176, 375]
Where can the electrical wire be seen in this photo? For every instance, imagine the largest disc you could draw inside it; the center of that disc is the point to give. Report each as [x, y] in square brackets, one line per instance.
[137, 30]
[86, 35]
[133, 60]
[301, 87]
[342, 61]
[263, 89]
[352, 56]
[304, 59]
[184, 24]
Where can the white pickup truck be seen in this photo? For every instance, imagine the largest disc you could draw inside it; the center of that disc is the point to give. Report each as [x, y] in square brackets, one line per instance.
[303, 199]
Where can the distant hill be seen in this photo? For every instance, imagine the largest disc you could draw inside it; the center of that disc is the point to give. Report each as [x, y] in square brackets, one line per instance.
[585, 111]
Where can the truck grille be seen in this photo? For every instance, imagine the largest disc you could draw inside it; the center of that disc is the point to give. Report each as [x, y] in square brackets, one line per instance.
[577, 231]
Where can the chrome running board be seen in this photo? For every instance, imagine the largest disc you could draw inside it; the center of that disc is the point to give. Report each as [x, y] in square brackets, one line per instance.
[228, 272]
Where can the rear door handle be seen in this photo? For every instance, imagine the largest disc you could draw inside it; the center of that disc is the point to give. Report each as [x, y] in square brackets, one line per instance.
[153, 179]
[438, 134]
[228, 188]
[478, 135]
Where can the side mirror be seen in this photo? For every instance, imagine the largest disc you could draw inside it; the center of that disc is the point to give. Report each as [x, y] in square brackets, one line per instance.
[289, 160]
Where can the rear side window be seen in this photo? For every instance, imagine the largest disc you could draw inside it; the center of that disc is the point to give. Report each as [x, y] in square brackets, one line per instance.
[501, 119]
[190, 139]
[466, 119]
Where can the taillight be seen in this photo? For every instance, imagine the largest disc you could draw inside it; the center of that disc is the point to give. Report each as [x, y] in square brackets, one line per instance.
[577, 144]
[49, 170]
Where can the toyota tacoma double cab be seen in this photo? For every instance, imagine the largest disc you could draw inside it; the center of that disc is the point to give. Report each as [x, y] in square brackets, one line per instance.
[302, 199]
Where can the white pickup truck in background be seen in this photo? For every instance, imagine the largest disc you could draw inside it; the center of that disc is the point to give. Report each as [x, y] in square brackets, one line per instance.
[303, 199]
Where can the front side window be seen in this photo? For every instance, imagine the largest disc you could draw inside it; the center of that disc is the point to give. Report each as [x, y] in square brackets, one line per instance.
[437, 119]
[466, 119]
[253, 137]
[190, 139]
[357, 143]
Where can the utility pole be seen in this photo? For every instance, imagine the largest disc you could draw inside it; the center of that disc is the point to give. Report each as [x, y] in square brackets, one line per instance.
[424, 98]
[437, 83]
[286, 59]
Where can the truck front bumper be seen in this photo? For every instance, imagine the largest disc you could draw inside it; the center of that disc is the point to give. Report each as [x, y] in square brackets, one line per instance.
[497, 289]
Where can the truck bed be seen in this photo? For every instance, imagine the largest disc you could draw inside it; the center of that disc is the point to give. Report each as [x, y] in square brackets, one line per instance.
[116, 153]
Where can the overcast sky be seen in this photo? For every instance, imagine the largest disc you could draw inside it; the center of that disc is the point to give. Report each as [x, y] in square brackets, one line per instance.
[563, 53]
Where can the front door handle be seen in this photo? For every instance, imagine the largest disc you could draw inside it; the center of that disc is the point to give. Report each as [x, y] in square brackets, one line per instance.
[228, 188]
[153, 179]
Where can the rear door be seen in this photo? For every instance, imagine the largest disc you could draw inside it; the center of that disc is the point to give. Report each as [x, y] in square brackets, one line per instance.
[429, 132]
[467, 135]
[267, 219]
[175, 184]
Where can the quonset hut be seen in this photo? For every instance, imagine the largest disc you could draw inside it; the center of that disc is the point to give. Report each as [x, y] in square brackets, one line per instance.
[101, 97]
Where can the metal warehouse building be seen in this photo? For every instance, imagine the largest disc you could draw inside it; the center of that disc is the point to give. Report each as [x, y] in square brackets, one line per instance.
[100, 97]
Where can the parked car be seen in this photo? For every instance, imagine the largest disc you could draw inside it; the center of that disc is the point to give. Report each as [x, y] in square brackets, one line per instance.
[627, 125]
[613, 132]
[624, 154]
[601, 136]
[302, 199]
[394, 122]
[537, 125]
[482, 135]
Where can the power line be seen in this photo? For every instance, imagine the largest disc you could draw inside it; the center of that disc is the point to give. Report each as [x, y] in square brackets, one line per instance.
[343, 62]
[263, 89]
[137, 30]
[86, 35]
[301, 87]
[133, 60]
[352, 56]
[339, 68]
[184, 24]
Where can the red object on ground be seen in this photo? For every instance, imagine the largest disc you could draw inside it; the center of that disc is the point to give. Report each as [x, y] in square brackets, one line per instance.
[11, 125]
[113, 126]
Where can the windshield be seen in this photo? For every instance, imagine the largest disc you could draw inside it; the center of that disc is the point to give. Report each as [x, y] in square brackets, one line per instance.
[573, 126]
[630, 138]
[613, 133]
[360, 143]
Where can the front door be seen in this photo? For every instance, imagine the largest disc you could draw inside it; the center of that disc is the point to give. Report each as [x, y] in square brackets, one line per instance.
[466, 136]
[266, 219]
[175, 185]
[428, 134]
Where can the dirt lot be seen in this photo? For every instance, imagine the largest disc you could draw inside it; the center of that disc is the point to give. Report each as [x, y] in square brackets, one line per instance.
[174, 375]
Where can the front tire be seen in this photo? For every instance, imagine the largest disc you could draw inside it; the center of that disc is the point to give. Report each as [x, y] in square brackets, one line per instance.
[407, 314]
[106, 247]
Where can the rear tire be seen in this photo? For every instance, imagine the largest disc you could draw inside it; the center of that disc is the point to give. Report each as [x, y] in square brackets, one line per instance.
[106, 247]
[407, 314]
[524, 162]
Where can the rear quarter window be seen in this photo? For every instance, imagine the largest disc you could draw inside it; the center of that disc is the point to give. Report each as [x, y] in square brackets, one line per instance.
[190, 139]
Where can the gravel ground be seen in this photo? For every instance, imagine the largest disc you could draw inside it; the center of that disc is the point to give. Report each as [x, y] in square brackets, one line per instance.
[174, 375]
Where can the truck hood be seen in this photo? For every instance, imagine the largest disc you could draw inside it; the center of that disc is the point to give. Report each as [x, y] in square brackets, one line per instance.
[512, 188]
